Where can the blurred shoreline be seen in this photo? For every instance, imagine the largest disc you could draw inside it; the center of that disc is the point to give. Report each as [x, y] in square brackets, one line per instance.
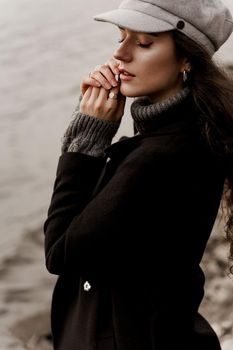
[26, 288]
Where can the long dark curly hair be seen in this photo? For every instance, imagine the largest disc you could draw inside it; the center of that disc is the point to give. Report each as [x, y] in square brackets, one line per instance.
[212, 90]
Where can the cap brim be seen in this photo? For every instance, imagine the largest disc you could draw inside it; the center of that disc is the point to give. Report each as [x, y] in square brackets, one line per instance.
[135, 21]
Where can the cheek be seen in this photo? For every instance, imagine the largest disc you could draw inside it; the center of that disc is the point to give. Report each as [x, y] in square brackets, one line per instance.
[154, 71]
[162, 69]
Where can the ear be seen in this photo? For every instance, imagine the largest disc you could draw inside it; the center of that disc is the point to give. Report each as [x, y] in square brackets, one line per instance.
[185, 65]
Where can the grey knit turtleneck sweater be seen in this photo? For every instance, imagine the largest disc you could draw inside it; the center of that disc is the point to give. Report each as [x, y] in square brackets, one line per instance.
[91, 135]
[144, 112]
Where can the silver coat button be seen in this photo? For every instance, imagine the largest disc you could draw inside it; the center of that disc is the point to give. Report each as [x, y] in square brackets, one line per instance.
[86, 286]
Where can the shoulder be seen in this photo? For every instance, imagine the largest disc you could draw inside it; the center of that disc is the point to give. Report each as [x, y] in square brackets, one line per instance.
[157, 144]
[164, 156]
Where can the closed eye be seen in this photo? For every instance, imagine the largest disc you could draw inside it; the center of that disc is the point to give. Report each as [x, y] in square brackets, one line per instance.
[144, 46]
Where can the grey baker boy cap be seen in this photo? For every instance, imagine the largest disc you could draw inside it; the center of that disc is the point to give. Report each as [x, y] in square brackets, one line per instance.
[207, 22]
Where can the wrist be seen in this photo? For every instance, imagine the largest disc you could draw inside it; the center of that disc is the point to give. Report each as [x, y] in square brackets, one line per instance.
[92, 135]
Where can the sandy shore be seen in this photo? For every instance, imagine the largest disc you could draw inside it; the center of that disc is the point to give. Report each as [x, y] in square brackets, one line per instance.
[26, 289]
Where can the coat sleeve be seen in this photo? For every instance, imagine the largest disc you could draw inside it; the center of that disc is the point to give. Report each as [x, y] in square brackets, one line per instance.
[81, 232]
[76, 177]
[144, 198]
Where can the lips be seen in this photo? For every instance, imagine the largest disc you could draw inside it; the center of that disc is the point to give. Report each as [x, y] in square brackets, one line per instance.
[125, 72]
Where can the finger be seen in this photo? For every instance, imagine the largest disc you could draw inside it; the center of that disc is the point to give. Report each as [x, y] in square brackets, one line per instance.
[95, 93]
[114, 64]
[106, 71]
[88, 82]
[115, 90]
[97, 75]
[103, 94]
[87, 94]
[113, 96]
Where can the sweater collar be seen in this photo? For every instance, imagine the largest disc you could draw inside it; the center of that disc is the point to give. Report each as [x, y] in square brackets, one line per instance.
[181, 117]
[147, 115]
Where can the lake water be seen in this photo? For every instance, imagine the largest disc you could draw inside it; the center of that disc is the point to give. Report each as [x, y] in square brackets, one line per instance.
[47, 46]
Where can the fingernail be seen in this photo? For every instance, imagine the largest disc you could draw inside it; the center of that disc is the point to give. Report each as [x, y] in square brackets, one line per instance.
[114, 83]
[117, 77]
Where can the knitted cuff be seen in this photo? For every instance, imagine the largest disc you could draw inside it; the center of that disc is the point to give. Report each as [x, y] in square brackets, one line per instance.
[70, 132]
[91, 135]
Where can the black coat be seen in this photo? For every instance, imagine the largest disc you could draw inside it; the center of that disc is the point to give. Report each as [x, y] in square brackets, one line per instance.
[128, 254]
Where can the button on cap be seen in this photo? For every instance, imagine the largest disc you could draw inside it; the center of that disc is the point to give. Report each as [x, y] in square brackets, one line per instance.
[87, 286]
[180, 25]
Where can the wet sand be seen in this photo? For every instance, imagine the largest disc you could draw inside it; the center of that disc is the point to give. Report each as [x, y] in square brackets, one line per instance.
[26, 290]
[46, 48]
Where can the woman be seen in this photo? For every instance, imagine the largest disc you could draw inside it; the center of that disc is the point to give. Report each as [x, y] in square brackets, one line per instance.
[128, 223]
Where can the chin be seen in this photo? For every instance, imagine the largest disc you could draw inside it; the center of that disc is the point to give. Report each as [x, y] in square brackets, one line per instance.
[128, 91]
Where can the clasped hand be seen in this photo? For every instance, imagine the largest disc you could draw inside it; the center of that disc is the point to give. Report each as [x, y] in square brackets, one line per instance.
[101, 93]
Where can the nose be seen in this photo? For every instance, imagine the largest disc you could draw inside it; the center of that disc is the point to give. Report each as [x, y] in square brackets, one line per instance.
[123, 53]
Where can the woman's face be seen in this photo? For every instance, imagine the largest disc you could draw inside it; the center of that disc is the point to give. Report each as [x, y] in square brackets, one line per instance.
[148, 65]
